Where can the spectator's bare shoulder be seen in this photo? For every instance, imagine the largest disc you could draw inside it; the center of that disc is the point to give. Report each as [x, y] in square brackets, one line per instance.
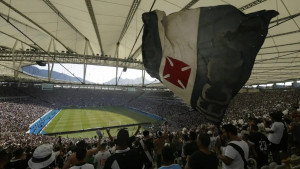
[91, 152]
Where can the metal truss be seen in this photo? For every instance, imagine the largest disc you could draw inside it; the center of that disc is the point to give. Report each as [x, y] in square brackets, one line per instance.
[93, 18]
[250, 5]
[33, 56]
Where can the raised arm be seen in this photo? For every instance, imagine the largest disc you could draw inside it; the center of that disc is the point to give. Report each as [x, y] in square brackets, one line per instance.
[95, 150]
[137, 131]
[109, 135]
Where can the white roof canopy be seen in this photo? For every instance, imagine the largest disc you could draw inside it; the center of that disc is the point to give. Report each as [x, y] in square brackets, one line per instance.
[103, 23]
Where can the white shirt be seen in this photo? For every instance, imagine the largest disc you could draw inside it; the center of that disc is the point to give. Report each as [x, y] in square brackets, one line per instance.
[100, 159]
[84, 166]
[278, 129]
[237, 161]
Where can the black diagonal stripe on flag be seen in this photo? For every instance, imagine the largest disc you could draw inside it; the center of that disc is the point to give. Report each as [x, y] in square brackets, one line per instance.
[213, 48]
[151, 46]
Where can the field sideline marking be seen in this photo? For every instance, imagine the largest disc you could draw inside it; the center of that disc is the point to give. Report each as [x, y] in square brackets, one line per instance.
[57, 123]
[50, 121]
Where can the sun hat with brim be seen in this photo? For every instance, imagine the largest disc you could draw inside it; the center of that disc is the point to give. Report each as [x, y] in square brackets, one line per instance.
[42, 156]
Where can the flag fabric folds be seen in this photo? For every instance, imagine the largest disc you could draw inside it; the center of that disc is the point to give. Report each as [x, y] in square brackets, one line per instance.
[204, 55]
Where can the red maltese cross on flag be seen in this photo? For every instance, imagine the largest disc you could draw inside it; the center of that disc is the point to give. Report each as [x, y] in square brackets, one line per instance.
[176, 72]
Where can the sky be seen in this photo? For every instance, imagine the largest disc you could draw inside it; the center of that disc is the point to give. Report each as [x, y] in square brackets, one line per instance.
[97, 74]
[101, 74]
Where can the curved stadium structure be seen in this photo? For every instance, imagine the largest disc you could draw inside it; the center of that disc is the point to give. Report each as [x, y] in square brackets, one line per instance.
[54, 33]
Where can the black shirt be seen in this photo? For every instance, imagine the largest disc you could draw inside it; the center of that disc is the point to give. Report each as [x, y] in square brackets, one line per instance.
[126, 159]
[17, 164]
[261, 143]
[204, 161]
[190, 148]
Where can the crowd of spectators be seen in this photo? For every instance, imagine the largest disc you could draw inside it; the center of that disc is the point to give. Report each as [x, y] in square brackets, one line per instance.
[260, 104]
[24, 111]
[16, 115]
[246, 111]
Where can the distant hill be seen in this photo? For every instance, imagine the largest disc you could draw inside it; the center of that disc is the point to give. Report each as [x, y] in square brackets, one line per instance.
[63, 77]
[136, 81]
[55, 75]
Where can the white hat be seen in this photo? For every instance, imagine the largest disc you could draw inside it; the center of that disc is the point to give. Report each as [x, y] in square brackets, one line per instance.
[42, 156]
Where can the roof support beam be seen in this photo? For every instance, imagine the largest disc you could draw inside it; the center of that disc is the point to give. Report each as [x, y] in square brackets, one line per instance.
[32, 56]
[18, 39]
[134, 6]
[137, 52]
[55, 10]
[143, 77]
[30, 20]
[48, 60]
[53, 58]
[93, 18]
[286, 18]
[13, 57]
[89, 45]
[278, 69]
[190, 4]
[84, 64]
[282, 34]
[276, 46]
[270, 53]
[277, 57]
[250, 5]
[117, 63]
[20, 64]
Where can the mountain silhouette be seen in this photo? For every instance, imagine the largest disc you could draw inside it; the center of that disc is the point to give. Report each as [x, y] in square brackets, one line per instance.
[136, 81]
[55, 75]
[63, 77]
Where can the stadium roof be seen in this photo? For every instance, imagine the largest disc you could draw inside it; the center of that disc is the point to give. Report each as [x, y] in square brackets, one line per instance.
[101, 27]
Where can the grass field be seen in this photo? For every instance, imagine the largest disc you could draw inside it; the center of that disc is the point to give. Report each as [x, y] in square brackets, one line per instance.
[83, 118]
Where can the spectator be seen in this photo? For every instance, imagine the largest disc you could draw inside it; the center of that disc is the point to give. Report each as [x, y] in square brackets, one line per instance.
[124, 158]
[236, 152]
[295, 129]
[81, 147]
[4, 159]
[147, 147]
[19, 160]
[191, 147]
[168, 159]
[43, 157]
[101, 157]
[203, 158]
[81, 159]
[275, 135]
[261, 146]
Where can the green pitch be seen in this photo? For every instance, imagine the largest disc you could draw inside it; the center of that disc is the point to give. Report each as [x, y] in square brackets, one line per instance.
[84, 118]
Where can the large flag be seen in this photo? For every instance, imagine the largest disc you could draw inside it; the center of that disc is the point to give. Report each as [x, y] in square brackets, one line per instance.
[204, 55]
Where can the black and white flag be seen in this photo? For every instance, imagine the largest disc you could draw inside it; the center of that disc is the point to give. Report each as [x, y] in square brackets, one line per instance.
[204, 55]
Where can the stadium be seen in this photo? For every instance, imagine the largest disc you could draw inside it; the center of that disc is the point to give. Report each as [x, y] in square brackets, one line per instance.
[79, 71]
